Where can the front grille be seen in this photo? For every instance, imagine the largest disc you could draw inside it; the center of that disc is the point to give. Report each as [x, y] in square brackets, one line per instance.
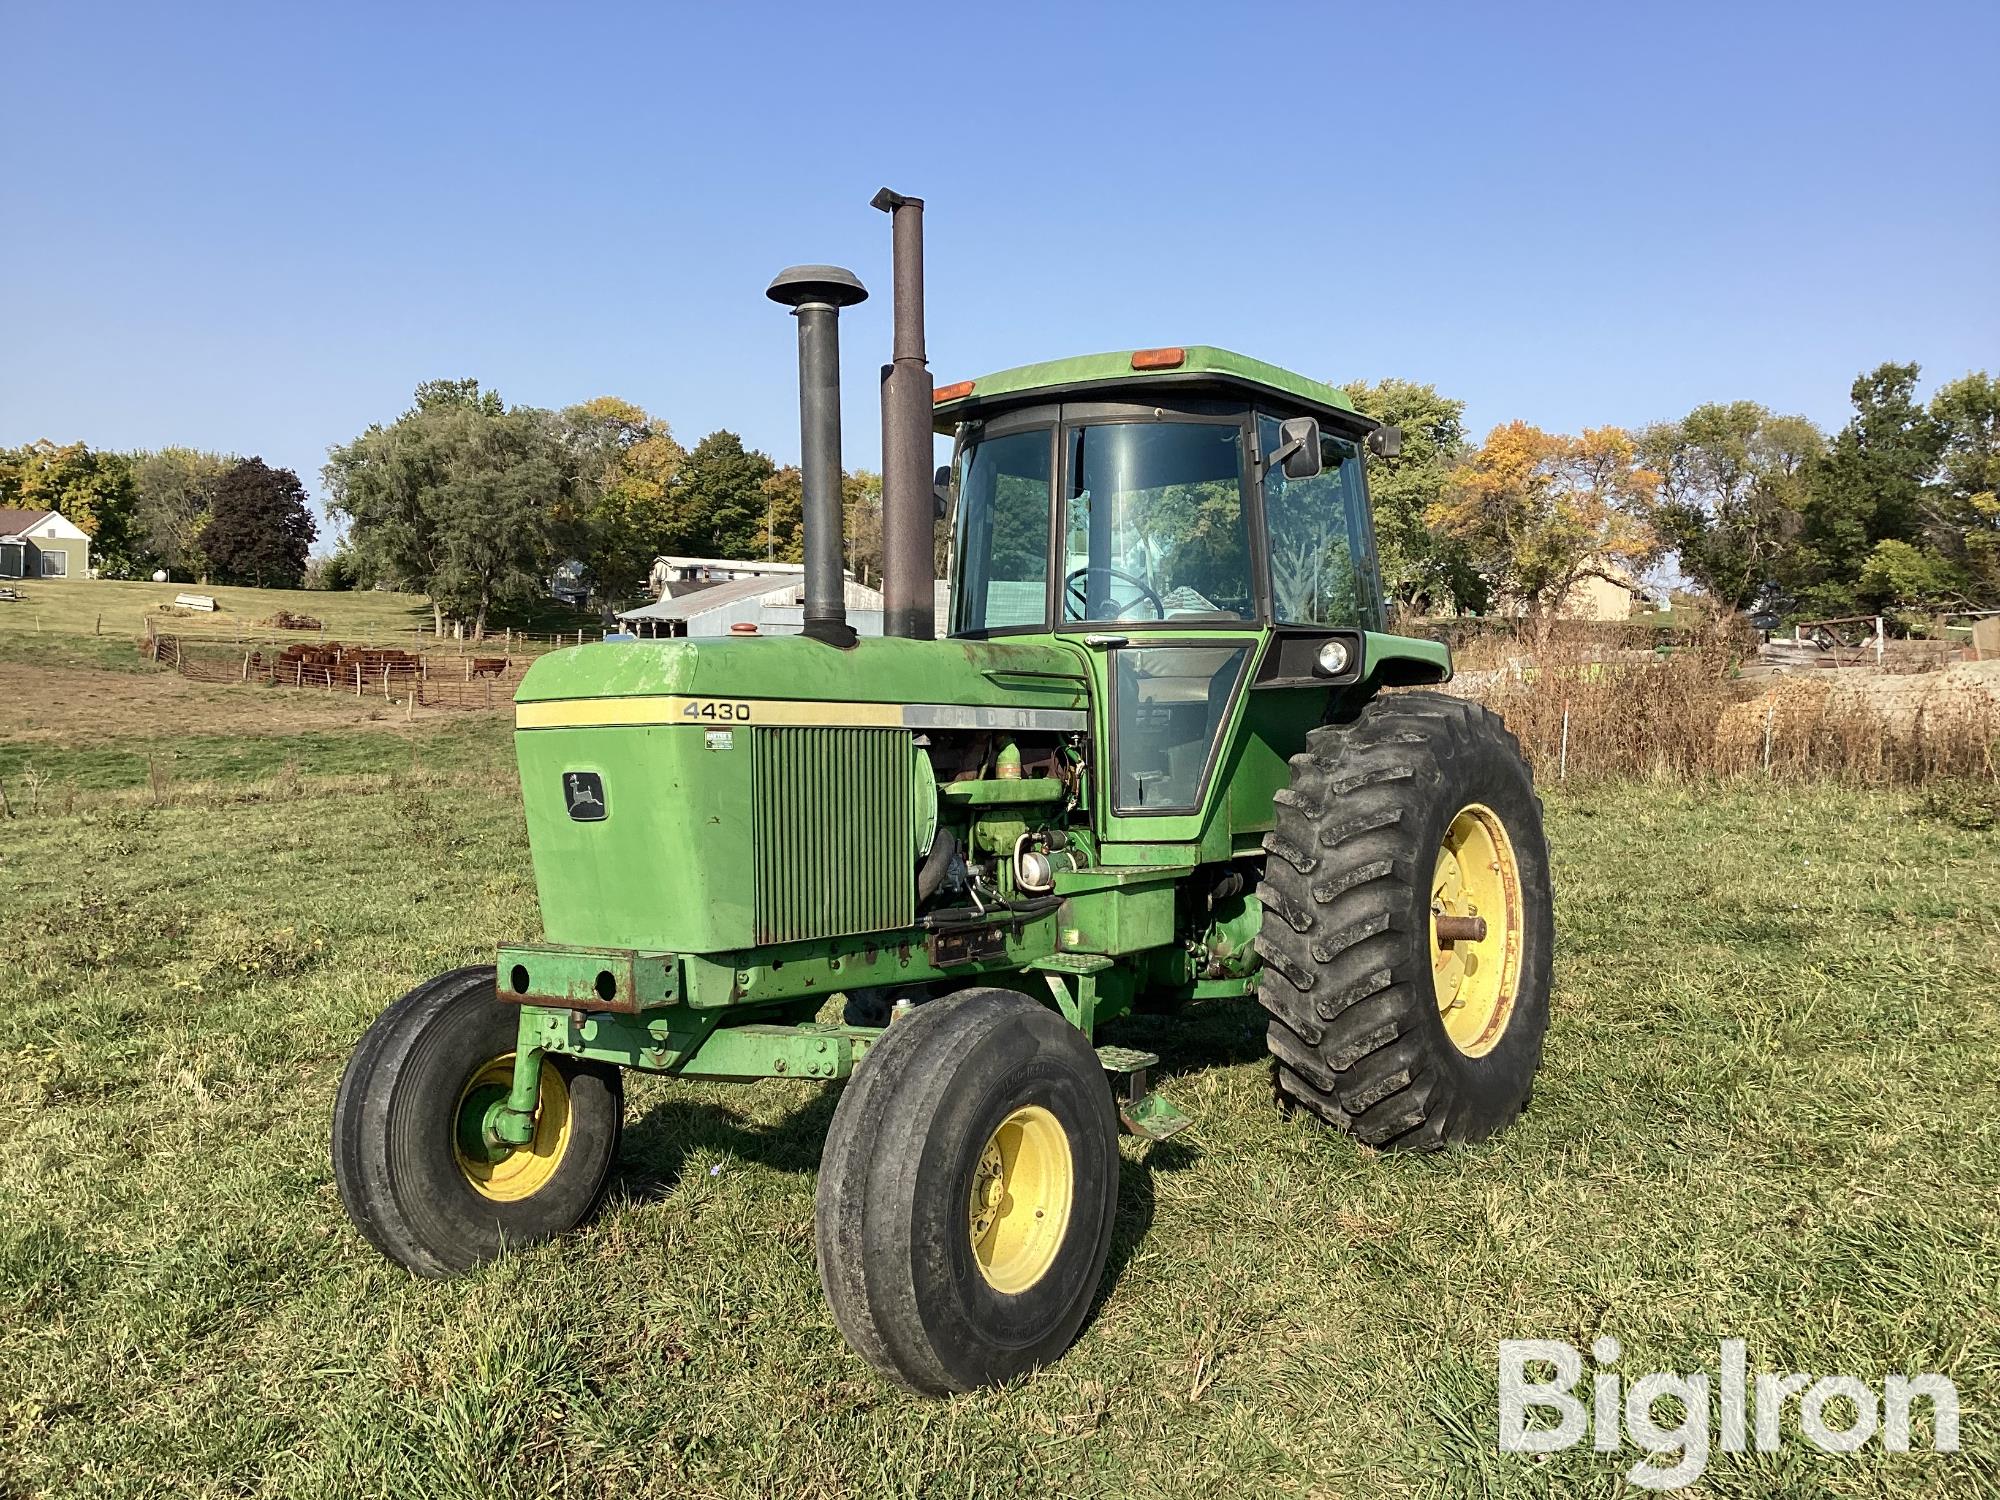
[830, 828]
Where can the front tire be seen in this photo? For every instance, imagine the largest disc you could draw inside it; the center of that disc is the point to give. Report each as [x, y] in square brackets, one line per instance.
[1415, 821]
[967, 1192]
[413, 1171]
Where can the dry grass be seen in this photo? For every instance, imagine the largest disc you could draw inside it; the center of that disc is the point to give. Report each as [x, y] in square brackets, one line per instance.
[1586, 715]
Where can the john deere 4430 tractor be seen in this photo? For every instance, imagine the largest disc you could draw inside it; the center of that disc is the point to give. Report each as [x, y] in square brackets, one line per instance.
[1147, 761]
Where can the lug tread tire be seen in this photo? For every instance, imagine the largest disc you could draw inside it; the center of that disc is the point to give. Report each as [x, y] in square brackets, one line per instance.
[893, 1254]
[395, 1170]
[1353, 1027]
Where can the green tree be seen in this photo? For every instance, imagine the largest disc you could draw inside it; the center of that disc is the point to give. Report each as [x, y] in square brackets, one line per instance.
[1869, 487]
[175, 490]
[458, 498]
[1962, 514]
[1733, 484]
[507, 478]
[717, 498]
[92, 490]
[260, 529]
[1423, 568]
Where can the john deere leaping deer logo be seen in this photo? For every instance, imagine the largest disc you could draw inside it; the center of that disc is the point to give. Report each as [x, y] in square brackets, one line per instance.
[584, 792]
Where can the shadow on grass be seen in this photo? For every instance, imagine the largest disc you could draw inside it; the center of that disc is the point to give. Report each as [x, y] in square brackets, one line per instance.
[658, 1144]
[1202, 1034]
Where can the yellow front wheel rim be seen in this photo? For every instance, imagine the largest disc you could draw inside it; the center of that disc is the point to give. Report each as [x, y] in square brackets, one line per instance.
[1476, 978]
[504, 1174]
[1022, 1189]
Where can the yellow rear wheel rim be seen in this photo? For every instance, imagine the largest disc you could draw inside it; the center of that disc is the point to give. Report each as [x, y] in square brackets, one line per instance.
[1022, 1189]
[1477, 980]
[509, 1175]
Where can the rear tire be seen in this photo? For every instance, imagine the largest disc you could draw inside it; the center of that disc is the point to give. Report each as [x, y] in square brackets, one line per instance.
[967, 1192]
[1377, 1026]
[420, 1188]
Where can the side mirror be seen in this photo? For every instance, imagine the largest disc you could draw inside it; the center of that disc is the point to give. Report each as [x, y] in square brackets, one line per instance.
[1297, 453]
[1386, 442]
[941, 489]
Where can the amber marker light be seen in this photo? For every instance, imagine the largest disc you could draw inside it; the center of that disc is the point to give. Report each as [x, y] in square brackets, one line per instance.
[946, 393]
[1159, 359]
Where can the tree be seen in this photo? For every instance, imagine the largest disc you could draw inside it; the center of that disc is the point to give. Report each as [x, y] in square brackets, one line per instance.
[717, 498]
[1541, 512]
[505, 478]
[91, 489]
[1422, 568]
[861, 506]
[457, 498]
[783, 536]
[624, 513]
[1732, 488]
[175, 493]
[260, 529]
[1869, 487]
[1962, 513]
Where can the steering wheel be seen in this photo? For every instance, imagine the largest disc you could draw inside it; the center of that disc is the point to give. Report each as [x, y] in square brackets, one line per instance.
[1074, 590]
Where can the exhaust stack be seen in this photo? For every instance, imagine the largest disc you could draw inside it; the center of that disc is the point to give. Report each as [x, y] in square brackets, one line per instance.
[816, 294]
[909, 515]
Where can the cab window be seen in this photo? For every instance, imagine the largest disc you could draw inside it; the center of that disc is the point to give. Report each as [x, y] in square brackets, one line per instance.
[1320, 568]
[1003, 533]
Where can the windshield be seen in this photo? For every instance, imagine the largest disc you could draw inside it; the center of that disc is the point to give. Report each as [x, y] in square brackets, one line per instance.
[1153, 524]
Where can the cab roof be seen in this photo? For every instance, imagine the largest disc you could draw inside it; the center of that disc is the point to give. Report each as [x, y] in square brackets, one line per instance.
[1200, 366]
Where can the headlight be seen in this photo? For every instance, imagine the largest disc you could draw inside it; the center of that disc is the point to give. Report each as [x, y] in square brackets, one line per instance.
[1333, 658]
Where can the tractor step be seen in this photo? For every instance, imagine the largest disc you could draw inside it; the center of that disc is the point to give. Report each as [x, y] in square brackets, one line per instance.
[1141, 1111]
[1126, 1059]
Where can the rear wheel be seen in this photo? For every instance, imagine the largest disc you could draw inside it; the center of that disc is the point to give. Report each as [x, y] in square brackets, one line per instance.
[967, 1192]
[1407, 927]
[410, 1155]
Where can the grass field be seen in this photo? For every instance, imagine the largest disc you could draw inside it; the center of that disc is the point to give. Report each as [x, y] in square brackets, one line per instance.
[93, 606]
[1766, 1112]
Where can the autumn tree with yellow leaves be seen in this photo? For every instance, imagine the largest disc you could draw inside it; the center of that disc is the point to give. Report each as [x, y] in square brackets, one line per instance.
[1543, 511]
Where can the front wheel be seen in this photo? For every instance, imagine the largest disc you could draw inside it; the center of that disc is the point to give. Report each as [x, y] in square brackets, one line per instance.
[967, 1192]
[415, 1172]
[1407, 927]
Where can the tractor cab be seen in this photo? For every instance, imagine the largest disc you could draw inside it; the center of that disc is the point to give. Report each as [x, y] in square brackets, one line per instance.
[1167, 508]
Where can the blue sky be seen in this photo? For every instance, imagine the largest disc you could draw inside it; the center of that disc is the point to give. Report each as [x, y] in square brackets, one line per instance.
[255, 229]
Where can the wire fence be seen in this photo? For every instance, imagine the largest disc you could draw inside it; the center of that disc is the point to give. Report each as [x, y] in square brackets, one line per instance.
[416, 679]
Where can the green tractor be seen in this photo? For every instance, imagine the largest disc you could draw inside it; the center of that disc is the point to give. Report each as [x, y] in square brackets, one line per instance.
[1148, 762]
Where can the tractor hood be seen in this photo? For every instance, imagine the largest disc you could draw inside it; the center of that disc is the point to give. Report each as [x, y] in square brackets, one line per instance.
[968, 674]
[700, 797]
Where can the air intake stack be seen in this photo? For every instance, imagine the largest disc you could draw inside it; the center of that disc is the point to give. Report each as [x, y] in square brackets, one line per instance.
[816, 294]
[909, 515]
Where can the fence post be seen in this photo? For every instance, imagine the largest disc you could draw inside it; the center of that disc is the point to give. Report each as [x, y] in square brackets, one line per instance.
[1770, 715]
[246, 666]
[1878, 643]
[1562, 755]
